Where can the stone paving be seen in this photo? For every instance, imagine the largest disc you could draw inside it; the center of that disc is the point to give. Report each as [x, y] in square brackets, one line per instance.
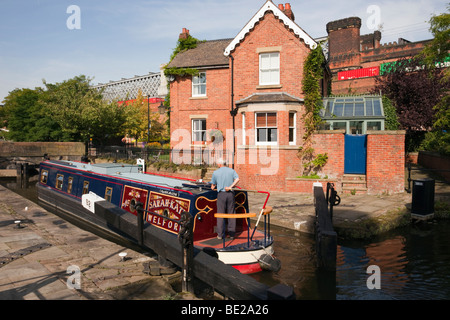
[43, 274]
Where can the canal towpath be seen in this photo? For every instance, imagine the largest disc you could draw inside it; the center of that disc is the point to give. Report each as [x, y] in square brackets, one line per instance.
[41, 260]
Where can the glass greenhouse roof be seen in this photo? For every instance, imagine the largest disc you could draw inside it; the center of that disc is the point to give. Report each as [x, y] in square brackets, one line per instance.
[355, 107]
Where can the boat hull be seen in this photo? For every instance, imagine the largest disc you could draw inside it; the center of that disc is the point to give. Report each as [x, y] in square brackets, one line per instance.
[160, 201]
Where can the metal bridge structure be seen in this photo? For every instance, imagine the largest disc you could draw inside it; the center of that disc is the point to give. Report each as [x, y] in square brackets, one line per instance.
[128, 89]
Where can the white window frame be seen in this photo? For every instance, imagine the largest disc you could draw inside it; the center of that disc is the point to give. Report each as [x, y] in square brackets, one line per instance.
[273, 68]
[243, 129]
[195, 130]
[266, 143]
[197, 85]
[294, 128]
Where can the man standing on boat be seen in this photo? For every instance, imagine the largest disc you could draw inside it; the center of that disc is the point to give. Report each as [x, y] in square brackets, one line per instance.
[225, 179]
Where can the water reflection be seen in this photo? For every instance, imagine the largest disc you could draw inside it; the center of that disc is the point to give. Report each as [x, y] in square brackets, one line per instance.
[414, 264]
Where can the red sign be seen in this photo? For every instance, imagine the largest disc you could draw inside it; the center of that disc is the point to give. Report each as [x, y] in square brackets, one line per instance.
[131, 196]
[167, 206]
[359, 73]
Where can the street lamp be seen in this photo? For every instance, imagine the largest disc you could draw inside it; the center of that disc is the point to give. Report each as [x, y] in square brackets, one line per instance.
[163, 109]
[148, 119]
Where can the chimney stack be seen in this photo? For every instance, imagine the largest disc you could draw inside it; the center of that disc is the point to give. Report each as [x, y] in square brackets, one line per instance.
[184, 34]
[288, 11]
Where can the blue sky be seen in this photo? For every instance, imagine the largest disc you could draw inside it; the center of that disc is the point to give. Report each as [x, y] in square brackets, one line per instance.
[120, 39]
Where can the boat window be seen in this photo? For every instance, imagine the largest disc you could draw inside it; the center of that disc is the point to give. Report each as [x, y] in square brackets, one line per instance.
[44, 176]
[108, 194]
[85, 187]
[69, 185]
[59, 181]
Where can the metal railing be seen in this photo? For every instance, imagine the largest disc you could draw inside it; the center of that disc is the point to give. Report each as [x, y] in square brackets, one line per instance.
[197, 156]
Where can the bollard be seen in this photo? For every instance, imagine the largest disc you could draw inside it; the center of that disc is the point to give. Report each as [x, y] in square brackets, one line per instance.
[186, 238]
[140, 223]
[332, 198]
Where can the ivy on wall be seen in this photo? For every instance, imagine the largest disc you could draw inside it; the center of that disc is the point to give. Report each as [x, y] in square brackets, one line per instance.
[312, 74]
[182, 45]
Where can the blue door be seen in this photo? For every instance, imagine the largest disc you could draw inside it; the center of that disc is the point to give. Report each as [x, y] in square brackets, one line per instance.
[355, 154]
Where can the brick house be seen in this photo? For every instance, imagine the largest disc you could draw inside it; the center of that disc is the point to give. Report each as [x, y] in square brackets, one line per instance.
[249, 92]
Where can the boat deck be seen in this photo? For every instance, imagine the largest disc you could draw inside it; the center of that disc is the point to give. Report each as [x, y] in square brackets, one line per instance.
[240, 240]
[124, 171]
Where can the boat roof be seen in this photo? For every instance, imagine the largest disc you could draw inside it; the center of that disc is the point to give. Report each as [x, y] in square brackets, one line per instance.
[124, 171]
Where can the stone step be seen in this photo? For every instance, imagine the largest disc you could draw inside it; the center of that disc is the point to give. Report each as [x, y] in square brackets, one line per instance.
[354, 177]
[208, 174]
[354, 190]
[354, 184]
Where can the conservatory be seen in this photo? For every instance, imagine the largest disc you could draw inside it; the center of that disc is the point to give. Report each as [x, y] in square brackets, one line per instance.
[354, 114]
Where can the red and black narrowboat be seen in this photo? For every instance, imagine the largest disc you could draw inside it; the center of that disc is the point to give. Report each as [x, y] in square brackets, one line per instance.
[67, 184]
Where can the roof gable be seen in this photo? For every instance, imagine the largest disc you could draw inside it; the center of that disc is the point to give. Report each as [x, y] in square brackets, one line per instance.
[270, 6]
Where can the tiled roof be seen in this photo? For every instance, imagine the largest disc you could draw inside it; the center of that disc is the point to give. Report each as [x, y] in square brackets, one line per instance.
[206, 54]
[269, 97]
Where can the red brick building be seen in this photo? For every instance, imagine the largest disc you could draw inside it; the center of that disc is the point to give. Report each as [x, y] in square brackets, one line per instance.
[356, 60]
[249, 92]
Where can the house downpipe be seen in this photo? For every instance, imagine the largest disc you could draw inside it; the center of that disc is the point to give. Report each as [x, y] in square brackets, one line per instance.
[233, 110]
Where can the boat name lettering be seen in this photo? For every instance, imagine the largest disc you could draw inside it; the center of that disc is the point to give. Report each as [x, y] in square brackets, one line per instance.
[171, 193]
[166, 203]
[164, 223]
[166, 206]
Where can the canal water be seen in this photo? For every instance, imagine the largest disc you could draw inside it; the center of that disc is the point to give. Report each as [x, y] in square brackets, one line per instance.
[413, 263]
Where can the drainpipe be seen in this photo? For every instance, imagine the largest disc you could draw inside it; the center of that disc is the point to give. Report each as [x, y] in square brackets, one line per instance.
[233, 110]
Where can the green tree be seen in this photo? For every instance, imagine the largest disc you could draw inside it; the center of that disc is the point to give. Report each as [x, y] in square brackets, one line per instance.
[81, 111]
[437, 51]
[27, 119]
[137, 117]
[439, 47]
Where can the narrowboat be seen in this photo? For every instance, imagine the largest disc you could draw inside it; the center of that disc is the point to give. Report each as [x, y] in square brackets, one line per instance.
[64, 185]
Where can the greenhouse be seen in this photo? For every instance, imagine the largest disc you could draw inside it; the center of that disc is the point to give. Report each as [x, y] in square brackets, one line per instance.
[354, 114]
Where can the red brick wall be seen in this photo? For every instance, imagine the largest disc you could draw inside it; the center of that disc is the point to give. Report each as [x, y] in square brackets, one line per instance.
[269, 32]
[385, 162]
[216, 105]
[277, 169]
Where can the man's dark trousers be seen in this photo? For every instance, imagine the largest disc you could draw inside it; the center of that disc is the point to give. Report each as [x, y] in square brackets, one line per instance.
[225, 204]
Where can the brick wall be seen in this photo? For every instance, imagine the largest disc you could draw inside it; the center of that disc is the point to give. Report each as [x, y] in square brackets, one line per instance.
[277, 169]
[34, 151]
[269, 33]
[38, 149]
[333, 143]
[385, 162]
[214, 107]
